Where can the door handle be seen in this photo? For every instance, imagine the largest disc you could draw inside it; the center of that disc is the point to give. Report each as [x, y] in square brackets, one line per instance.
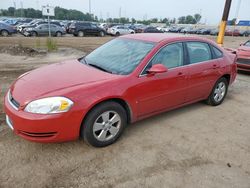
[180, 74]
[215, 66]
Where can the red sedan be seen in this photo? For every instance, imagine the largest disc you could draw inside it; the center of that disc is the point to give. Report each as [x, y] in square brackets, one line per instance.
[243, 53]
[234, 32]
[125, 80]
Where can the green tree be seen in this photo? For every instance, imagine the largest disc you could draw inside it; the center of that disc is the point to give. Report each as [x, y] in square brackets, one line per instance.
[182, 20]
[197, 18]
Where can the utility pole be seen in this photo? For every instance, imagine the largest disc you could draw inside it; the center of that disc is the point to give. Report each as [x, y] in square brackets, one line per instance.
[90, 7]
[223, 23]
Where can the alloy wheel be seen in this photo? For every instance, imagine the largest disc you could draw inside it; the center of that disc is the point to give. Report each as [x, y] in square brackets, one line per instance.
[106, 126]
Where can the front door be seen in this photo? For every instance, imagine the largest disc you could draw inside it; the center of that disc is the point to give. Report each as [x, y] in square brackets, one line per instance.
[163, 91]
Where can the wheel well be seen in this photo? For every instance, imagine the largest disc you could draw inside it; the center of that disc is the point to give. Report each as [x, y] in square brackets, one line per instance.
[117, 100]
[227, 76]
[4, 30]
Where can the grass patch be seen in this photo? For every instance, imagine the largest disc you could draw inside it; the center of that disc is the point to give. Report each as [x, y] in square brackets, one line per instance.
[51, 44]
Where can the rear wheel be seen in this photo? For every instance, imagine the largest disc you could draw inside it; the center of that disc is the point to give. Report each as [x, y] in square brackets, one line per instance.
[58, 34]
[80, 34]
[117, 34]
[104, 124]
[218, 93]
[4, 33]
[101, 34]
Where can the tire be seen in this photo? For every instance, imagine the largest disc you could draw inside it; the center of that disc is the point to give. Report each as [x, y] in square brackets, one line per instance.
[4, 33]
[132, 33]
[101, 34]
[80, 34]
[34, 34]
[117, 34]
[218, 94]
[58, 34]
[102, 136]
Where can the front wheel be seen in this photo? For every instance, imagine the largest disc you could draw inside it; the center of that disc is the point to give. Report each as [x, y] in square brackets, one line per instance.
[34, 34]
[104, 124]
[218, 93]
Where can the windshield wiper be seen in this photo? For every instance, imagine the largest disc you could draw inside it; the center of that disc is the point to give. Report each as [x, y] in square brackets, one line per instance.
[83, 60]
[98, 67]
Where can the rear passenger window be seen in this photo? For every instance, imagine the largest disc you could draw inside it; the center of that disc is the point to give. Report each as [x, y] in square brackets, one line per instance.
[217, 52]
[198, 52]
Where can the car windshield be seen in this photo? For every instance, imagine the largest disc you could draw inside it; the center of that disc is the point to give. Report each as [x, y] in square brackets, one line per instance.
[119, 56]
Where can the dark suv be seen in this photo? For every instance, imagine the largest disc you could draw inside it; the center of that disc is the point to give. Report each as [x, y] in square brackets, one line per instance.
[82, 29]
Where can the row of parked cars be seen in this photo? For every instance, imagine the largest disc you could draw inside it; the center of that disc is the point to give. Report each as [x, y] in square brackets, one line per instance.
[208, 31]
[40, 27]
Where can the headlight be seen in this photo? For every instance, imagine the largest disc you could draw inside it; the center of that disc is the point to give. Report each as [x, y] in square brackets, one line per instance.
[51, 105]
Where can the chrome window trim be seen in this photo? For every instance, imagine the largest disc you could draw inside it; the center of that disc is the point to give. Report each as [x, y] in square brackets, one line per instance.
[142, 75]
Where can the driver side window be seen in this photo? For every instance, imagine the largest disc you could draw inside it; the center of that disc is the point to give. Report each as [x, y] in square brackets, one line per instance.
[171, 56]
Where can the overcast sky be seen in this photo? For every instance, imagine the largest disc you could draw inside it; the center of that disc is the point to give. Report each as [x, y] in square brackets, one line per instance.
[211, 10]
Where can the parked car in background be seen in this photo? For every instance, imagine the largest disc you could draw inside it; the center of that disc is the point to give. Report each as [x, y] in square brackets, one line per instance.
[245, 33]
[234, 32]
[125, 80]
[20, 27]
[243, 55]
[103, 26]
[178, 29]
[43, 30]
[204, 32]
[6, 29]
[152, 30]
[121, 30]
[214, 32]
[109, 26]
[186, 30]
[82, 29]
[138, 28]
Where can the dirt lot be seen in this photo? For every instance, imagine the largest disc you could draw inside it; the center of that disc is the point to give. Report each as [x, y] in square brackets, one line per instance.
[195, 146]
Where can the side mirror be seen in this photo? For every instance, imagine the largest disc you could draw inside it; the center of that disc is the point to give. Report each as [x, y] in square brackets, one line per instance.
[157, 68]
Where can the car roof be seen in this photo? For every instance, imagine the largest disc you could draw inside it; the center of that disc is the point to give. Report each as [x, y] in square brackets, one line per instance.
[160, 37]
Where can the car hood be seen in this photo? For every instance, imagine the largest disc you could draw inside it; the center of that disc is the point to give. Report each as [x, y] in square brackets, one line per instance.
[48, 80]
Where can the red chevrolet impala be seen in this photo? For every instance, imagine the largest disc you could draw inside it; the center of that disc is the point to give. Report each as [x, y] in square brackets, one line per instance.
[125, 80]
[243, 53]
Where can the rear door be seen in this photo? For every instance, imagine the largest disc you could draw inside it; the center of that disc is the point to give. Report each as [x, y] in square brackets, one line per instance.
[203, 70]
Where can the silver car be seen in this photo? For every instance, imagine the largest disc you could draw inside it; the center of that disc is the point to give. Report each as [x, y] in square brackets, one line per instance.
[121, 30]
[43, 30]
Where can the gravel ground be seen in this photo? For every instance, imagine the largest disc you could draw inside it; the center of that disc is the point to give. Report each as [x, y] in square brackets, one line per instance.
[194, 146]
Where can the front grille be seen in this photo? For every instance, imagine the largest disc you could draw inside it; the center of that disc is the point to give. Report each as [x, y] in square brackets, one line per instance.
[38, 135]
[13, 102]
[243, 61]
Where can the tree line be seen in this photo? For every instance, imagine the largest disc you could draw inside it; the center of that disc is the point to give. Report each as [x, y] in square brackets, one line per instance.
[69, 14]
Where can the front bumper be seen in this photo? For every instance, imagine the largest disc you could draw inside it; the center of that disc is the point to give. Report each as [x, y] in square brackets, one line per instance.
[43, 128]
[243, 64]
